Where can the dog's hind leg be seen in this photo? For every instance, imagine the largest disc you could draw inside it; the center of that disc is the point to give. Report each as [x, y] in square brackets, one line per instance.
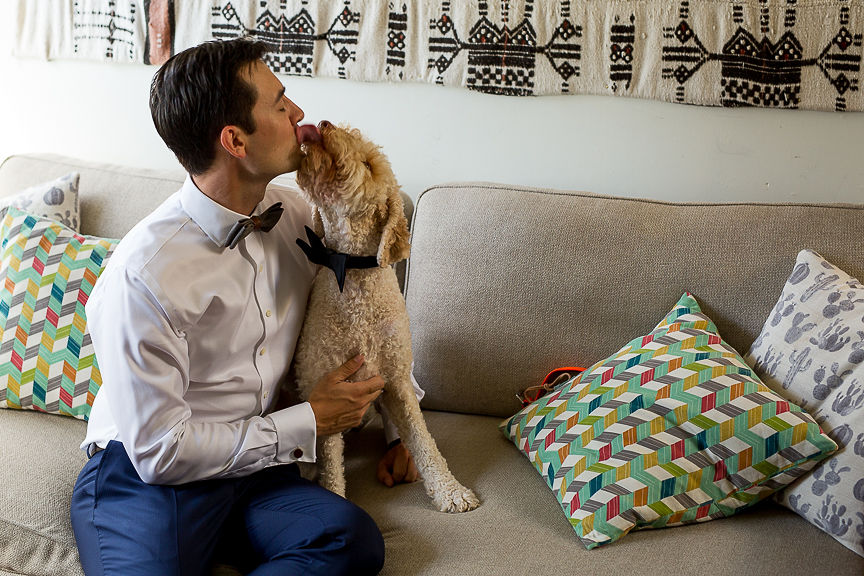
[447, 493]
[331, 465]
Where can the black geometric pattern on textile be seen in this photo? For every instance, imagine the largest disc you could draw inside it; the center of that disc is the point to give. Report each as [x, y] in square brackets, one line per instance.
[291, 40]
[397, 36]
[108, 26]
[791, 14]
[835, 62]
[621, 52]
[501, 59]
[759, 72]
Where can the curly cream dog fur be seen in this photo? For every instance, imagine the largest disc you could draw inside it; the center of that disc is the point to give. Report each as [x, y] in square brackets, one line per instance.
[358, 210]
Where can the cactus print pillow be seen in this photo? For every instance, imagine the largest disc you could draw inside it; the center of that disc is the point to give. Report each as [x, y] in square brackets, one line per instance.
[56, 199]
[811, 350]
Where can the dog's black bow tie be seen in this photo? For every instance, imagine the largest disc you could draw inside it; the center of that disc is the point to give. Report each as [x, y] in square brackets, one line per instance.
[339, 262]
[265, 222]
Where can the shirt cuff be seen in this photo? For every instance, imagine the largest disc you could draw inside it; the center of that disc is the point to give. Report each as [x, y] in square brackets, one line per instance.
[295, 433]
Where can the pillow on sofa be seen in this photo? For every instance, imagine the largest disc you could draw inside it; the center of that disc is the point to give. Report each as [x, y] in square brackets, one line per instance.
[811, 350]
[57, 199]
[47, 362]
[673, 428]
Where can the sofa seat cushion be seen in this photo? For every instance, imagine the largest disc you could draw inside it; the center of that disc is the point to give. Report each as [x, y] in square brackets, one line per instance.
[41, 461]
[519, 528]
[40, 464]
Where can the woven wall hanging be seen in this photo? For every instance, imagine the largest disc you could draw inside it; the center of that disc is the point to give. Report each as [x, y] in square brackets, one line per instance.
[767, 53]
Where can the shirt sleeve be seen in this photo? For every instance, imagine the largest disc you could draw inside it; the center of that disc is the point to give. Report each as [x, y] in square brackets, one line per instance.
[144, 361]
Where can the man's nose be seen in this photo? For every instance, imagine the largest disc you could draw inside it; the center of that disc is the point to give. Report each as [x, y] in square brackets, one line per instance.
[298, 113]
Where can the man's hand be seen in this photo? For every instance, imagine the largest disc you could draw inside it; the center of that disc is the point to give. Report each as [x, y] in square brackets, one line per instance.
[340, 405]
[397, 466]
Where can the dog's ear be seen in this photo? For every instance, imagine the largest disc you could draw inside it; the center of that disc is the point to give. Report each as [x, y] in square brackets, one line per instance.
[394, 245]
[317, 223]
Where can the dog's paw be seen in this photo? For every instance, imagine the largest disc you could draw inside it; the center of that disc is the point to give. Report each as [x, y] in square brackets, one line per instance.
[453, 498]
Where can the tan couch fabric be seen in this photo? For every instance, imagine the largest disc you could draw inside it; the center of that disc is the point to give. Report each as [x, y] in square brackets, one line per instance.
[519, 529]
[529, 297]
[38, 467]
[505, 284]
[113, 198]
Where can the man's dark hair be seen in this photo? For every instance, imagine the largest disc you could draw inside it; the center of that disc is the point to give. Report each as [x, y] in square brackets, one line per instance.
[199, 91]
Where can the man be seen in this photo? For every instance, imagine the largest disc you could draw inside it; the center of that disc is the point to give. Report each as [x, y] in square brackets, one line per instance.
[194, 326]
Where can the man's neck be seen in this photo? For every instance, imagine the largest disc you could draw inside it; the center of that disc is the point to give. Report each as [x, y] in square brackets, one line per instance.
[227, 188]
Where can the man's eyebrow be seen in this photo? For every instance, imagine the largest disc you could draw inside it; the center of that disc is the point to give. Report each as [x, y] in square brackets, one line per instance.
[279, 96]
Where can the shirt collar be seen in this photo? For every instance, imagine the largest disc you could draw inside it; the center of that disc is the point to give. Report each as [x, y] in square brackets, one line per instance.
[214, 219]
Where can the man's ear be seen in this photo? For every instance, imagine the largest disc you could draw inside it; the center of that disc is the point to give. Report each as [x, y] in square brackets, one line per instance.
[394, 245]
[233, 141]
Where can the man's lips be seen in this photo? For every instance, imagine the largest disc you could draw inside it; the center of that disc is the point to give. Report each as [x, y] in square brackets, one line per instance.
[308, 133]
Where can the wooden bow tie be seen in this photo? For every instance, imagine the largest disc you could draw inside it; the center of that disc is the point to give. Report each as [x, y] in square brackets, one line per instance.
[265, 222]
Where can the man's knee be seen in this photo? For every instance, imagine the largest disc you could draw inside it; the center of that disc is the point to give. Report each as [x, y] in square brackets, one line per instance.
[363, 541]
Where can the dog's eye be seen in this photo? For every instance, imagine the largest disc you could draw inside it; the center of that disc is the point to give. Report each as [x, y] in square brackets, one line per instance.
[368, 166]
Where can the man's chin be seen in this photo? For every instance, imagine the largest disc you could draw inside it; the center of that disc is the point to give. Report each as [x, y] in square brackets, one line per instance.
[293, 162]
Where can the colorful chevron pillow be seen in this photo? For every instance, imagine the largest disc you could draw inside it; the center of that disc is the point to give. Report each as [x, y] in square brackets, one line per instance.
[674, 428]
[47, 362]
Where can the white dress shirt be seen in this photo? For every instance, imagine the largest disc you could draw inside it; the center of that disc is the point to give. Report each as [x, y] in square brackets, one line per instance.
[193, 339]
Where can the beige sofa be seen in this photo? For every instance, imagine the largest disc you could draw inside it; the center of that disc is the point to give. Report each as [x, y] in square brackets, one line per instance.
[504, 284]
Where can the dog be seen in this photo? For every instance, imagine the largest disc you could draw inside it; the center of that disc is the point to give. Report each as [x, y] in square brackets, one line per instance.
[357, 210]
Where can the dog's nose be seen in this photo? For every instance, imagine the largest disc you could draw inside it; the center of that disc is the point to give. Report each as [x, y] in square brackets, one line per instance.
[324, 124]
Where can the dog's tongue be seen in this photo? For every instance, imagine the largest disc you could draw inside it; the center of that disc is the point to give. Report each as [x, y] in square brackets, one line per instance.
[308, 133]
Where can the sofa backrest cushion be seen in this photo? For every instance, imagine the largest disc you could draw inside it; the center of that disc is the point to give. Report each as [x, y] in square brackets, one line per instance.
[113, 198]
[506, 283]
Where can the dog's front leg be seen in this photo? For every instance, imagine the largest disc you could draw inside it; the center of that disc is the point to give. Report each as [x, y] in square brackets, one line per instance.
[448, 493]
[331, 469]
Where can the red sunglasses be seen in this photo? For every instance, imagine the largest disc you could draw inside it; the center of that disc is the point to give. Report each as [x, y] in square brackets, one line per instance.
[550, 382]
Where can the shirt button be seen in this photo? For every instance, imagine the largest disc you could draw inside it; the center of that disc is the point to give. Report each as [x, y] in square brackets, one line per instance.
[260, 267]
[298, 453]
[263, 350]
[268, 313]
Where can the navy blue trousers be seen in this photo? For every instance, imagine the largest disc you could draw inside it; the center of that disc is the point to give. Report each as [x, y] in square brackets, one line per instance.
[272, 522]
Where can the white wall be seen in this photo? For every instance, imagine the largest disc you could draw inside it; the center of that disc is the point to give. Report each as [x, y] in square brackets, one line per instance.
[434, 134]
